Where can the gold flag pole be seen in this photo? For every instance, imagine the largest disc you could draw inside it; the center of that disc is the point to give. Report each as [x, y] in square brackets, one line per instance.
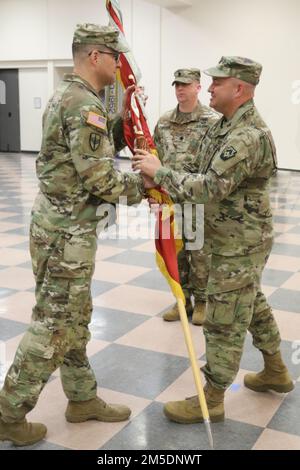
[195, 369]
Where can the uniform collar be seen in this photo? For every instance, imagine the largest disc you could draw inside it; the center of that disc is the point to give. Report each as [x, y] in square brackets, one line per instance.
[183, 118]
[225, 125]
[73, 77]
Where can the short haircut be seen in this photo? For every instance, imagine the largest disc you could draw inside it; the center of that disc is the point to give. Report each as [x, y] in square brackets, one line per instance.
[78, 49]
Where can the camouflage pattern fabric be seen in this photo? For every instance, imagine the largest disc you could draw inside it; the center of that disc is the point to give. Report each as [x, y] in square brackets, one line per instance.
[93, 34]
[76, 163]
[76, 173]
[58, 333]
[237, 67]
[186, 76]
[236, 160]
[177, 137]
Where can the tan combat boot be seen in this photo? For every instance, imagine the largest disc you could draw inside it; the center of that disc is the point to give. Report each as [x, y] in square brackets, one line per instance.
[188, 411]
[79, 411]
[198, 317]
[274, 376]
[23, 433]
[173, 313]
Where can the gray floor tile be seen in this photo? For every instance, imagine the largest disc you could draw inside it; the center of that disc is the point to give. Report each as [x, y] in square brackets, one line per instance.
[17, 218]
[286, 419]
[108, 324]
[275, 277]
[286, 249]
[20, 219]
[281, 219]
[134, 258]
[121, 243]
[151, 280]
[8, 193]
[295, 229]
[285, 299]
[280, 200]
[136, 371]
[14, 203]
[19, 231]
[152, 430]
[4, 292]
[10, 328]
[21, 246]
[11, 208]
[26, 265]
[99, 287]
[293, 206]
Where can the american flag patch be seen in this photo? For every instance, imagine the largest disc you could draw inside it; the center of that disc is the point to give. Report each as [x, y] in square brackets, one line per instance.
[96, 120]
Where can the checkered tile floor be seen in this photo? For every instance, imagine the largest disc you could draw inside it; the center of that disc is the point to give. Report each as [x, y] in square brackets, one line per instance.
[139, 359]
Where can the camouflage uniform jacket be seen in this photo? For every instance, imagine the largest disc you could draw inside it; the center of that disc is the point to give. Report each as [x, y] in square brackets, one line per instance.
[177, 136]
[75, 166]
[237, 158]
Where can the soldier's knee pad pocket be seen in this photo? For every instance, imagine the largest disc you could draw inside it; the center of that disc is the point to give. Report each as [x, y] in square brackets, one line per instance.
[79, 254]
[222, 308]
[38, 341]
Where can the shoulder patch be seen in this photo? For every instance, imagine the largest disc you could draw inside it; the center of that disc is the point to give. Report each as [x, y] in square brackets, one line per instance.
[228, 153]
[95, 140]
[96, 120]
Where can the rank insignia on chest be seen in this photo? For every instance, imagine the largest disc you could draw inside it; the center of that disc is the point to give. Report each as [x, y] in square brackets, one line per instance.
[94, 141]
[96, 120]
[228, 153]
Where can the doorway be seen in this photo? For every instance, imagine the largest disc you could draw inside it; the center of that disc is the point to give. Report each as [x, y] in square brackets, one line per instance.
[9, 111]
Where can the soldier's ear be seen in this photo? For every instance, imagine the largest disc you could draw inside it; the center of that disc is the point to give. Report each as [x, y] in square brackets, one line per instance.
[94, 56]
[239, 90]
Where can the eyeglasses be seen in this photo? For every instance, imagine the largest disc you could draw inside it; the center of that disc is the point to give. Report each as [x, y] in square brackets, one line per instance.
[116, 55]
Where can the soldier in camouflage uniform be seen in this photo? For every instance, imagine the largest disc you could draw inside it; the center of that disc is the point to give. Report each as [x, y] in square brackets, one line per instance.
[76, 171]
[238, 159]
[176, 136]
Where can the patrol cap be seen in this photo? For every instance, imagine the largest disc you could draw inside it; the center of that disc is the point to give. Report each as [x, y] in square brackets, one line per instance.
[88, 33]
[186, 76]
[238, 67]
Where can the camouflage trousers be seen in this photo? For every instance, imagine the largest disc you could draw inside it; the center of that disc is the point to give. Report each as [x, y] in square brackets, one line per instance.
[58, 334]
[230, 314]
[193, 266]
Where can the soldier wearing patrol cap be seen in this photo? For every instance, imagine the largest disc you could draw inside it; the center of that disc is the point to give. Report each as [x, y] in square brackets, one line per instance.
[238, 160]
[177, 136]
[76, 173]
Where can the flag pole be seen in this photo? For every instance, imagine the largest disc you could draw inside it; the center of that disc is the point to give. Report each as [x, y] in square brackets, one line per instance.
[195, 369]
[140, 137]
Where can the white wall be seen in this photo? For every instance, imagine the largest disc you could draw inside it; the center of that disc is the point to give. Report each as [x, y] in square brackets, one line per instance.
[266, 31]
[62, 19]
[163, 40]
[146, 47]
[42, 35]
[33, 83]
[23, 31]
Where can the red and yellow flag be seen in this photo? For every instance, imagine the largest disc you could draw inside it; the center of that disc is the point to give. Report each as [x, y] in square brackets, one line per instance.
[137, 135]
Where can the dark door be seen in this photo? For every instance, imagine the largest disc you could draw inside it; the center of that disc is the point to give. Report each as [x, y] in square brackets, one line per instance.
[9, 111]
